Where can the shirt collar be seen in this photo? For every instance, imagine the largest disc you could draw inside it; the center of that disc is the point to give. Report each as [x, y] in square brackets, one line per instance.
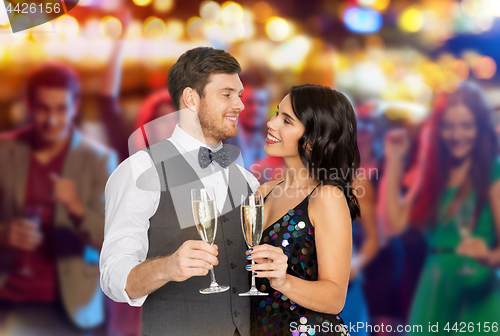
[188, 143]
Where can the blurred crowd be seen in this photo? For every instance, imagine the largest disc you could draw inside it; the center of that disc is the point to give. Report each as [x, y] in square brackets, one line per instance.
[425, 248]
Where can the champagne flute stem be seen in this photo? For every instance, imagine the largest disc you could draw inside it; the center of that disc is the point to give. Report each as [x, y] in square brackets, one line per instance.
[212, 275]
[253, 276]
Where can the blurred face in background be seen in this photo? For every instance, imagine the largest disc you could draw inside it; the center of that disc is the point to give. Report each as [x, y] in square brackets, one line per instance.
[53, 111]
[284, 131]
[459, 131]
[365, 130]
[256, 103]
[221, 106]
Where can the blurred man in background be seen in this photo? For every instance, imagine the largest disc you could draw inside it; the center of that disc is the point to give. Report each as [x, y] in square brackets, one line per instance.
[51, 215]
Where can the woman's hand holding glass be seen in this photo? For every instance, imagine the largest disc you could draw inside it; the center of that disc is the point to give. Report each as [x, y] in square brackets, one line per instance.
[270, 262]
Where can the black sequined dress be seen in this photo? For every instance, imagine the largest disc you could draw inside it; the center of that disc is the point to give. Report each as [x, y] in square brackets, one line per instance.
[276, 314]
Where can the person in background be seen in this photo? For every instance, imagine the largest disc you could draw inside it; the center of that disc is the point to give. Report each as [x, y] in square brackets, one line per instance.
[51, 214]
[364, 229]
[250, 139]
[157, 104]
[455, 200]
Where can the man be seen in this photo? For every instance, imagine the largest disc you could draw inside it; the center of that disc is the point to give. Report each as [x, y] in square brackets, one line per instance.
[51, 214]
[152, 254]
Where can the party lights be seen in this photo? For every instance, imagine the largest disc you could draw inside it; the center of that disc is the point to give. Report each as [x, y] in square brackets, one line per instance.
[277, 29]
[362, 20]
[411, 20]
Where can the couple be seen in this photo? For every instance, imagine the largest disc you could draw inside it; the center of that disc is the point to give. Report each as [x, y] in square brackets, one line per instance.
[152, 255]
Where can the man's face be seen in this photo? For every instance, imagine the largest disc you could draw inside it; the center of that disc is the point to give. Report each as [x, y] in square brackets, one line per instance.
[53, 110]
[219, 109]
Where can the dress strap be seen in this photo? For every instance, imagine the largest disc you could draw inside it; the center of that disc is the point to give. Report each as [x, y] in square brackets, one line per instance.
[272, 190]
[309, 196]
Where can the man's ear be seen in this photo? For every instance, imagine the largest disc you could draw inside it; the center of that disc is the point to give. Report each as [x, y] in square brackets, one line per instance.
[190, 98]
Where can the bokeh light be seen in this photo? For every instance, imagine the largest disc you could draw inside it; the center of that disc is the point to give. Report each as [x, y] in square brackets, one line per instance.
[154, 28]
[175, 29]
[67, 27]
[411, 19]
[163, 6]
[277, 28]
[263, 11]
[210, 11]
[231, 11]
[196, 28]
[142, 3]
[362, 20]
[110, 27]
[484, 67]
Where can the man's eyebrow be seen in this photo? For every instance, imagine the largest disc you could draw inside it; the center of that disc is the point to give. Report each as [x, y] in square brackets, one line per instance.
[230, 89]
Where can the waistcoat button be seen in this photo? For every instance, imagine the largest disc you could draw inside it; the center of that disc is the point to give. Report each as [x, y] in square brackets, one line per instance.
[232, 265]
[229, 242]
[235, 290]
[224, 219]
[236, 314]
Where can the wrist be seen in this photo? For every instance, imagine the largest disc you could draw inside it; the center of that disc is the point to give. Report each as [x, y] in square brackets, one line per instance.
[75, 209]
[164, 274]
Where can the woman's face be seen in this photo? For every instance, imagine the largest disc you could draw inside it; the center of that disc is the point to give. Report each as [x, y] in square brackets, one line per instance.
[284, 131]
[459, 131]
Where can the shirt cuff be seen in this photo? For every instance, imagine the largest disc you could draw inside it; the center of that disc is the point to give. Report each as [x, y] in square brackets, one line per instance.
[123, 271]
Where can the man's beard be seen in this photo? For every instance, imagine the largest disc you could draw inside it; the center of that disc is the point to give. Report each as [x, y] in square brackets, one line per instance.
[212, 125]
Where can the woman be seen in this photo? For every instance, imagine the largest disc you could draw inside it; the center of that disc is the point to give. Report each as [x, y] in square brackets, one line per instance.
[459, 167]
[304, 263]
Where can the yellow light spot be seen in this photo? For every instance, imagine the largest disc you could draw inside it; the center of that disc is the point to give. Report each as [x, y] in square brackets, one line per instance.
[277, 28]
[142, 3]
[411, 20]
[110, 27]
[163, 6]
[210, 11]
[231, 11]
[154, 28]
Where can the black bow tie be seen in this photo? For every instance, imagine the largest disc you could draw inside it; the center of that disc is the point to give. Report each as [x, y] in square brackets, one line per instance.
[206, 156]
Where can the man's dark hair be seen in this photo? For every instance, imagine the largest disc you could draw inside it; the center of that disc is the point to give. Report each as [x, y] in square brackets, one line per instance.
[52, 75]
[194, 68]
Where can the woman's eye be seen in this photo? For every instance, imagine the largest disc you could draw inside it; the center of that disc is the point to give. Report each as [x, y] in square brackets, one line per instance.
[227, 95]
[286, 121]
[276, 113]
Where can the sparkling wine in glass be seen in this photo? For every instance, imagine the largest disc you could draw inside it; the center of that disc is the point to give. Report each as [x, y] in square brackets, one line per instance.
[33, 214]
[464, 219]
[205, 217]
[252, 224]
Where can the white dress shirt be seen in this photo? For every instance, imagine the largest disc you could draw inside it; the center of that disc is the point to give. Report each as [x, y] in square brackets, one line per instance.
[128, 210]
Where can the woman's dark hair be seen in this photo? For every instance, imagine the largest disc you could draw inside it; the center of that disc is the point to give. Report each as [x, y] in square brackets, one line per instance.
[194, 68]
[52, 75]
[330, 131]
[439, 161]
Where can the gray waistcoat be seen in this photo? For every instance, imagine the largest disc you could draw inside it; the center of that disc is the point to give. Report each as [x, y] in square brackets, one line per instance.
[178, 308]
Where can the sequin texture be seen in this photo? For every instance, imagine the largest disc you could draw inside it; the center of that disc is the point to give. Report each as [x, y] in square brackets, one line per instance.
[276, 314]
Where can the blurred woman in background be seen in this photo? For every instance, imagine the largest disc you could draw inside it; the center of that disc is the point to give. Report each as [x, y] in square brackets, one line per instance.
[459, 171]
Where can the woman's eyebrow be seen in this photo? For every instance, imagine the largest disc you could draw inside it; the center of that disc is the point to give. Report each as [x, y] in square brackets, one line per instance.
[287, 115]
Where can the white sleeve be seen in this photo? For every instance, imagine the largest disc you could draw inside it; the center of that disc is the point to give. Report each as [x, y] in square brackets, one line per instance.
[127, 212]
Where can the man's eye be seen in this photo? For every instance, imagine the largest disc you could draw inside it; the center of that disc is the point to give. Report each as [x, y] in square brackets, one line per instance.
[227, 95]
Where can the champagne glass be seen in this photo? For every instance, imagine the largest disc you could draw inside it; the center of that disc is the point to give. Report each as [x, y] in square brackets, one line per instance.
[252, 224]
[33, 214]
[464, 220]
[205, 217]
